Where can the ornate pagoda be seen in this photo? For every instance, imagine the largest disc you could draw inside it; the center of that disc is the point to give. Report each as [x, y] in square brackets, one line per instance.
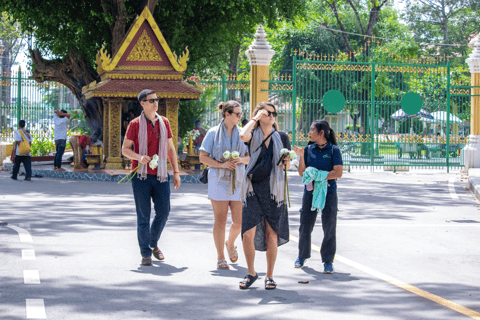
[144, 61]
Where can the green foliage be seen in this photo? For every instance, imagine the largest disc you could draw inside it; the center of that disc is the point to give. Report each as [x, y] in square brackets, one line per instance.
[191, 110]
[446, 22]
[42, 145]
[210, 29]
[78, 124]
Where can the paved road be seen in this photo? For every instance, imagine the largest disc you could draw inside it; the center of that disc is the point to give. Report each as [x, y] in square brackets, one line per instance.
[407, 249]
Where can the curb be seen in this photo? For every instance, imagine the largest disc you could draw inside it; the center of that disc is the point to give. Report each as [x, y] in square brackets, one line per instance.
[474, 185]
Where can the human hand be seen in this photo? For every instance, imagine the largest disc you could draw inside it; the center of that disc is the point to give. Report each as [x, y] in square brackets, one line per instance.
[12, 158]
[261, 114]
[230, 165]
[298, 151]
[176, 180]
[145, 160]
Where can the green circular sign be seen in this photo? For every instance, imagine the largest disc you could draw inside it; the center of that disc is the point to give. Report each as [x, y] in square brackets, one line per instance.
[333, 101]
[411, 103]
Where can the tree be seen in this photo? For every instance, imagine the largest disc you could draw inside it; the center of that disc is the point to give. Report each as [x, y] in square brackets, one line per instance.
[443, 22]
[73, 31]
[13, 39]
[351, 16]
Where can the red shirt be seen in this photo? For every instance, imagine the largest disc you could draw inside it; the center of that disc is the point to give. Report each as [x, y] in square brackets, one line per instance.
[153, 138]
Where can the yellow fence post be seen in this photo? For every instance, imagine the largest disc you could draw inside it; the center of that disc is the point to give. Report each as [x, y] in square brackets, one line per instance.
[472, 150]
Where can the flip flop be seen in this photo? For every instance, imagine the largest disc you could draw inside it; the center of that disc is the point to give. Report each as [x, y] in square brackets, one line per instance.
[222, 264]
[248, 281]
[232, 253]
[270, 284]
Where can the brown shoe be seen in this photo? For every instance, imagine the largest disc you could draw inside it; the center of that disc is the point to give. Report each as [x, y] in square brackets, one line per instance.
[158, 254]
[147, 261]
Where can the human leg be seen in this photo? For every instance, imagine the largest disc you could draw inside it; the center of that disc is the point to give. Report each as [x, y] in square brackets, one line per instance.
[141, 193]
[220, 213]
[235, 228]
[272, 241]
[161, 204]
[16, 167]
[249, 250]
[329, 225]
[27, 163]
[307, 222]
[60, 145]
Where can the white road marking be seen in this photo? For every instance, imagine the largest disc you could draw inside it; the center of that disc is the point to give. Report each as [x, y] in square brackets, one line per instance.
[28, 254]
[31, 277]
[451, 187]
[36, 309]
[24, 234]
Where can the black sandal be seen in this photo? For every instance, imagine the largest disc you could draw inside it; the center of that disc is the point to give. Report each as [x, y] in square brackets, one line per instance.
[248, 281]
[270, 283]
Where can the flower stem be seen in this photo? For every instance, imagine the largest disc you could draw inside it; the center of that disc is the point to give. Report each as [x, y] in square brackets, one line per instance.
[131, 173]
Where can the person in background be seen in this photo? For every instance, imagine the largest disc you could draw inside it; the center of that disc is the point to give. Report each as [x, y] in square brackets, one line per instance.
[21, 135]
[60, 120]
[198, 141]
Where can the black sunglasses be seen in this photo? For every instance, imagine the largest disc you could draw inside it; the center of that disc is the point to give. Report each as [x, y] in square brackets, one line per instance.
[152, 100]
[239, 114]
[272, 113]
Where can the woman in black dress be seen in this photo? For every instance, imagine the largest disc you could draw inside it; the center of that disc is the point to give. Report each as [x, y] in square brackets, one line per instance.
[265, 214]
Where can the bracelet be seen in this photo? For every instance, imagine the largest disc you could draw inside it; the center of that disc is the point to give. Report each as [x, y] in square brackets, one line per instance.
[255, 120]
[175, 172]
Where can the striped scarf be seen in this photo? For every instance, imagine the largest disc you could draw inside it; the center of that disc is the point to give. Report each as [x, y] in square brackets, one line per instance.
[162, 148]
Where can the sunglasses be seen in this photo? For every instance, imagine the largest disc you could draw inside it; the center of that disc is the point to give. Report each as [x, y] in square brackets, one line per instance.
[152, 100]
[272, 113]
[239, 114]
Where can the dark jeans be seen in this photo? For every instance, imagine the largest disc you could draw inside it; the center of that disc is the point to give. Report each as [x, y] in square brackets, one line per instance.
[60, 149]
[143, 192]
[27, 163]
[329, 224]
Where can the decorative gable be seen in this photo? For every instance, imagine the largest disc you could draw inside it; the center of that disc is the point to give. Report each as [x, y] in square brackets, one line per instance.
[144, 50]
[144, 46]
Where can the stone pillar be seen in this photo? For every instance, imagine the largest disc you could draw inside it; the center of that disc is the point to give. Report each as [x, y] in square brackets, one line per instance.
[472, 150]
[106, 132]
[114, 160]
[259, 55]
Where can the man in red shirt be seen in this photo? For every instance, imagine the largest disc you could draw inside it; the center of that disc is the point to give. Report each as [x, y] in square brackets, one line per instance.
[149, 135]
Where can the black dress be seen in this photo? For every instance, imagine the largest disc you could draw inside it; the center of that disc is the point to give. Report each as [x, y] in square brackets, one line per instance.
[261, 207]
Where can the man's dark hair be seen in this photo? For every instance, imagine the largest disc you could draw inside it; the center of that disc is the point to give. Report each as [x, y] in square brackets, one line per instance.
[197, 121]
[21, 124]
[142, 95]
[63, 111]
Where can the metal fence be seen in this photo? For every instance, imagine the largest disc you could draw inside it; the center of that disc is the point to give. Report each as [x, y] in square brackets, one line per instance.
[387, 111]
[24, 98]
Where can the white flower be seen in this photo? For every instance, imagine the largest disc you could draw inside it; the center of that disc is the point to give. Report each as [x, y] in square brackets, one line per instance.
[235, 154]
[293, 155]
[153, 164]
[227, 155]
[283, 151]
[155, 157]
[294, 163]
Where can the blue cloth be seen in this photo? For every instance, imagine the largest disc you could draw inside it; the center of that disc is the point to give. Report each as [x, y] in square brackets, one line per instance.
[208, 142]
[312, 174]
[321, 159]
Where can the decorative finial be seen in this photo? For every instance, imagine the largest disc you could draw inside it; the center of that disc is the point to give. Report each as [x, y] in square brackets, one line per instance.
[260, 51]
[474, 58]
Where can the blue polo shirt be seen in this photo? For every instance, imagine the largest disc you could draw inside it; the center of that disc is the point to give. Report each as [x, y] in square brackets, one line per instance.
[323, 159]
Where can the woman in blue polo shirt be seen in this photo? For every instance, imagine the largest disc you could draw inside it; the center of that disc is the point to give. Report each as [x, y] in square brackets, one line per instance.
[322, 153]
